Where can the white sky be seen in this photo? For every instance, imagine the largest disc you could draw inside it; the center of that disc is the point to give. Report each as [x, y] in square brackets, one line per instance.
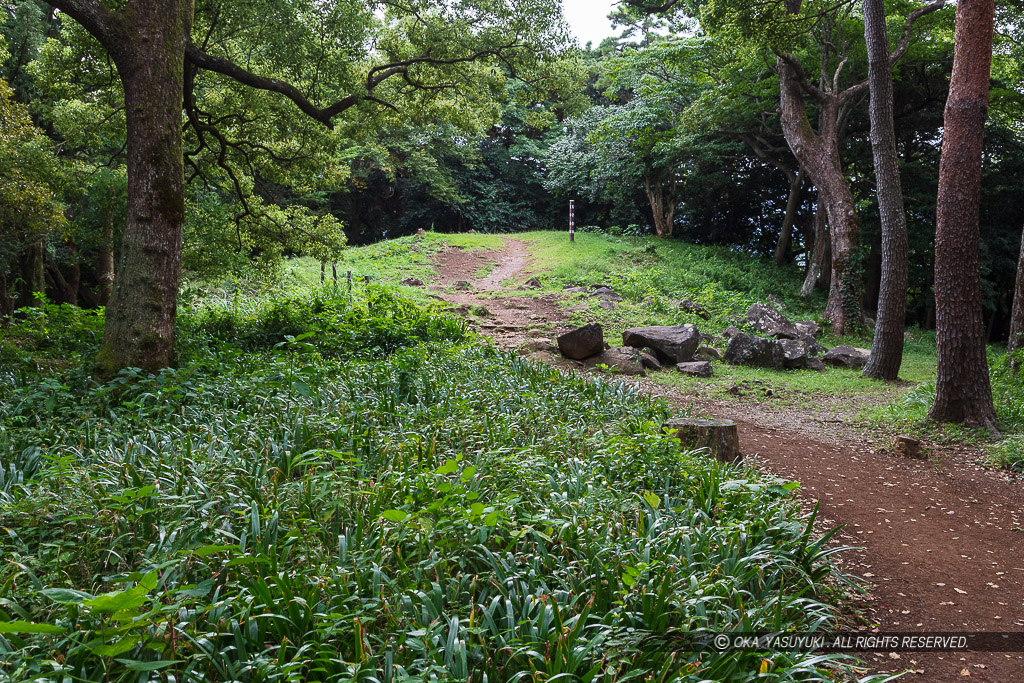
[588, 19]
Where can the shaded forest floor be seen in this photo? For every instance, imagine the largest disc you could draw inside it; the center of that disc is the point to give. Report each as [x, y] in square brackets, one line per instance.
[937, 541]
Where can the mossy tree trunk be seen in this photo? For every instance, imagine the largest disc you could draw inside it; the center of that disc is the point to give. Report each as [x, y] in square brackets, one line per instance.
[147, 42]
[32, 276]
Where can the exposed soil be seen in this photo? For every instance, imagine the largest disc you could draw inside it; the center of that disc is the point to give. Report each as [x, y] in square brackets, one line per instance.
[939, 542]
[508, 315]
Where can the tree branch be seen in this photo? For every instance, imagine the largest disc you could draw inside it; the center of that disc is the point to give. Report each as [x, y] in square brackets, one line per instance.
[858, 89]
[222, 66]
[375, 77]
[99, 21]
[912, 18]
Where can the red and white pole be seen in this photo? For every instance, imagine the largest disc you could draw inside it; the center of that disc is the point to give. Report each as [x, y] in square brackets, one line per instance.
[572, 220]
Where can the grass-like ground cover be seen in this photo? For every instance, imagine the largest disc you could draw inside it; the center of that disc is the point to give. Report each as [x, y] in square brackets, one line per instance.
[653, 274]
[334, 488]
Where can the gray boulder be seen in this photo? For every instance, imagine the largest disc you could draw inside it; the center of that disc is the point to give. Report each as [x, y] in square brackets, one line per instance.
[582, 342]
[796, 353]
[815, 364]
[847, 357]
[672, 344]
[624, 360]
[808, 328]
[696, 369]
[731, 332]
[755, 352]
[606, 293]
[649, 359]
[765, 318]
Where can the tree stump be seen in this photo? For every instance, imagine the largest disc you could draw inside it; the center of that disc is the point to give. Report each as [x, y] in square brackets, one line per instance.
[908, 447]
[720, 437]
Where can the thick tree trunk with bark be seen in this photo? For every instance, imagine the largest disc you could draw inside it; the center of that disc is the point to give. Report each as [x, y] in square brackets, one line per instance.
[962, 391]
[1016, 341]
[6, 300]
[64, 288]
[820, 266]
[818, 154]
[792, 206]
[105, 261]
[32, 276]
[663, 207]
[890, 321]
[143, 304]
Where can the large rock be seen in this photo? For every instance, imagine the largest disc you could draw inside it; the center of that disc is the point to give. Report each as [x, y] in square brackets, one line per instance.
[606, 293]
[808, 328]
[796, 353]
[815, 364]
[765, 318]
[672, 344]
[649, 359]
[755, 352]
[624, 360]
[847, 357]
[582, 342]
[696, 369]
[731, 332]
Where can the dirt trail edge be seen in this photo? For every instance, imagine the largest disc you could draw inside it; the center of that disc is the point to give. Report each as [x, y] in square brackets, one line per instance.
[940, 541]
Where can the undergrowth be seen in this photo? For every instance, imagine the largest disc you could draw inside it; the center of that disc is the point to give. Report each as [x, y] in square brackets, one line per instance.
[318, 495]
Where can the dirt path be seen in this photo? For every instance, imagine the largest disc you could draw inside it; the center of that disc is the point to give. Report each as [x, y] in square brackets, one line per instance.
[511, 314]
[940, 541]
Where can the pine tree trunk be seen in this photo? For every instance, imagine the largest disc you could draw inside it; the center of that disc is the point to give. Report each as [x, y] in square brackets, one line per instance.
[818, 154]
[963, 392]
[1017, 317]
[792, 205]
[140, 316]
[890, 322]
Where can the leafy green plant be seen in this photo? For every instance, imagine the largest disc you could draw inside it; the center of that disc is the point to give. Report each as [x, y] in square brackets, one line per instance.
[319, 495]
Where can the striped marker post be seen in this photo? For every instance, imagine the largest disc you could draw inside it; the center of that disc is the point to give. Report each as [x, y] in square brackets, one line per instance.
[572, 220]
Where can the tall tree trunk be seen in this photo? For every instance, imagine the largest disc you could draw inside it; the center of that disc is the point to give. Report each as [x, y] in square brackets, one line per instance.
[962, 391]
[105, 259]
[1017, 316]
[820, 267]
[890, 322]
[873, 276]
[33, 276]
[661, 214]
[140, 316]
[6, 301]
[792, 205]
[818, 154]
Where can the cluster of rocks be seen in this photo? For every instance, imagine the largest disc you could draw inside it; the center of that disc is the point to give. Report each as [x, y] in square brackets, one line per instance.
[787, 346]
[643, 348]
